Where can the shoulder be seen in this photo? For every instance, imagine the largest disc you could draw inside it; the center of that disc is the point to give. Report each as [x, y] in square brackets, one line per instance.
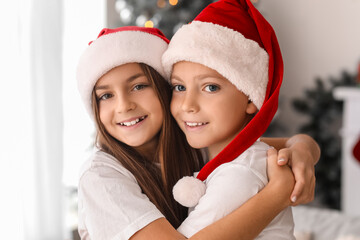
[256, 158]
[252, 162]
[102, 165]
[258, 146]
[102, 176]
[255, 155]
[111, 202]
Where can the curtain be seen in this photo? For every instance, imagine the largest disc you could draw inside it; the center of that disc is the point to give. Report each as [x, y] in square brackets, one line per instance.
[31, 120]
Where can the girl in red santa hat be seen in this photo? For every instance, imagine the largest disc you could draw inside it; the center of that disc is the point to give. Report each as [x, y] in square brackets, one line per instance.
[125, 187]
[226, 71]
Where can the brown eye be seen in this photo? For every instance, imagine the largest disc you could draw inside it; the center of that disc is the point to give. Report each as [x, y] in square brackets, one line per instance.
[105, 96]
[140, 86]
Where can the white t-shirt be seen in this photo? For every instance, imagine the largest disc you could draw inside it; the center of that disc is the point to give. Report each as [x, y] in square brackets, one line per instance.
[229, 186]
[111, 204]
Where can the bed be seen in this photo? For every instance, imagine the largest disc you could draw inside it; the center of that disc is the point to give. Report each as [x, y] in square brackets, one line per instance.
[312, 223]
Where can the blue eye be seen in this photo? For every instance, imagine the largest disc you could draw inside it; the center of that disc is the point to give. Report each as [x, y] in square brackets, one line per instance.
[179, 88]
[212, 88]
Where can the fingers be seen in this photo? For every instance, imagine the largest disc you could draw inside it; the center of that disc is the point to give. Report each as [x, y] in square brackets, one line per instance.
[299, 171]
[304, 184]
[272, 155]
[284, 156]
[298, 189]
[273, 169]
[304, 173]
[308, 196]
[280, 176]
[299, 157]
[300, 195]
[271, 161]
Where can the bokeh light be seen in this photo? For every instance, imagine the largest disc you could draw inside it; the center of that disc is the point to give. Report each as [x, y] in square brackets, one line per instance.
[149, 24]
[173, 2]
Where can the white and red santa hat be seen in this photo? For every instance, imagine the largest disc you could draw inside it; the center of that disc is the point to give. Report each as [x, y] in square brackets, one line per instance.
[115, 47]
[233, 38]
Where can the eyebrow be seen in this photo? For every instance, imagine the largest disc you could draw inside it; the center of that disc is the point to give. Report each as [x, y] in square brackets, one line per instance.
[129, 80]
[101, 87]
[175, 77]
[199, 77]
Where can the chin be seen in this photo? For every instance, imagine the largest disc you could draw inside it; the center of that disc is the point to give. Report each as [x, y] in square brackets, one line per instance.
[195, 144]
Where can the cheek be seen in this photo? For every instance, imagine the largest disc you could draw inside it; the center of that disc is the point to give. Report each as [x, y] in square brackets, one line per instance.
[225, 110]
[153, 105]
[173, 105]
[103, 119]
[175, 108]
[104, 110]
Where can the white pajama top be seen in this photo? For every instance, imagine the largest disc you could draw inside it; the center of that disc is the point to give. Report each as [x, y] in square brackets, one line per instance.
[111, 203]
[232, 184]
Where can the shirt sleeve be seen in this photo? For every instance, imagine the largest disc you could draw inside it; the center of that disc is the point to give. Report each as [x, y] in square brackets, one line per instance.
[227, 189]
[112, 205]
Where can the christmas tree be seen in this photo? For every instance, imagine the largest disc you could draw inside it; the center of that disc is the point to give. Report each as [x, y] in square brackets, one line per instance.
[324, 113]
[167, 15]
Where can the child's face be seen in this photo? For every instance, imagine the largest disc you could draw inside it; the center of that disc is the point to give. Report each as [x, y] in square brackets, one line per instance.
[128, 106]
[209, 109]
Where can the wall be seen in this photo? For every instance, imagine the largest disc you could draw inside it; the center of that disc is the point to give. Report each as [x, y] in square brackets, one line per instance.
[83, 21]
[318, 39]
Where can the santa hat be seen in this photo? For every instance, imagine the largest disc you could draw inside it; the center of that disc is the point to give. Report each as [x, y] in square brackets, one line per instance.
[115, 47]
[233, 38]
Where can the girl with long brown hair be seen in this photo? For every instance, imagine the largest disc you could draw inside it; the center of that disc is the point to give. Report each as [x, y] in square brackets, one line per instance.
[125, 188]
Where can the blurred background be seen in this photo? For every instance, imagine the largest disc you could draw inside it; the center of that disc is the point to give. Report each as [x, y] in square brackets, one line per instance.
[46, 134]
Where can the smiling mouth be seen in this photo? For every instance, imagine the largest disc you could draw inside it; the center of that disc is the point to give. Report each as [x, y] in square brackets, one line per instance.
[133, 122]
[195, 124]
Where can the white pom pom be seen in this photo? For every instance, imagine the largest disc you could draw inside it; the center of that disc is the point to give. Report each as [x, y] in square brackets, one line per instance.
[188, 191]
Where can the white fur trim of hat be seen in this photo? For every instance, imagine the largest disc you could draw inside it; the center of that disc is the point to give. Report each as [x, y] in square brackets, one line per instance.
[240, 60]
[112, 50]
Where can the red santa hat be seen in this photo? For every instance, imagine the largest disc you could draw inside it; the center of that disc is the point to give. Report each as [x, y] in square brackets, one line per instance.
[233, 38]
[115, 47]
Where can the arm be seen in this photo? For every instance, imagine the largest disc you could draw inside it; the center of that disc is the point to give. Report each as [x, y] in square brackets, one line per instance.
[227, 188]
[250, 219]
[244, 223]
[303, 142]
[301, 152]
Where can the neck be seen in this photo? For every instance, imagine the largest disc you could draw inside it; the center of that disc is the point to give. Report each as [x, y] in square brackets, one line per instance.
[216, 148]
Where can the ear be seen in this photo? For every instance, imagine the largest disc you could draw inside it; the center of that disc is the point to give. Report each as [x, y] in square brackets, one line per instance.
[251, 108]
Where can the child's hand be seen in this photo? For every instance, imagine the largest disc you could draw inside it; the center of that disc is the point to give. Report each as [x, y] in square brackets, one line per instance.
[280, 176]
[302, 164]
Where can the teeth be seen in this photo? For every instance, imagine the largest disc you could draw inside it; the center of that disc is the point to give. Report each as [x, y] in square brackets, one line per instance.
[133, 122]
[194, 124]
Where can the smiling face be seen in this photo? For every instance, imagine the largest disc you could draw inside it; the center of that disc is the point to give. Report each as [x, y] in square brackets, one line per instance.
[209, 109]
[128, 105]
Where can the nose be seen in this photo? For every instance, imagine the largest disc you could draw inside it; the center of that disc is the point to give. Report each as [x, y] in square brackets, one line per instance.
[124, 103]
[190, 102]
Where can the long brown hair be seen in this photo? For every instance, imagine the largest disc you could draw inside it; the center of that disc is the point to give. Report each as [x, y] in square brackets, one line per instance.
[176, 157]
